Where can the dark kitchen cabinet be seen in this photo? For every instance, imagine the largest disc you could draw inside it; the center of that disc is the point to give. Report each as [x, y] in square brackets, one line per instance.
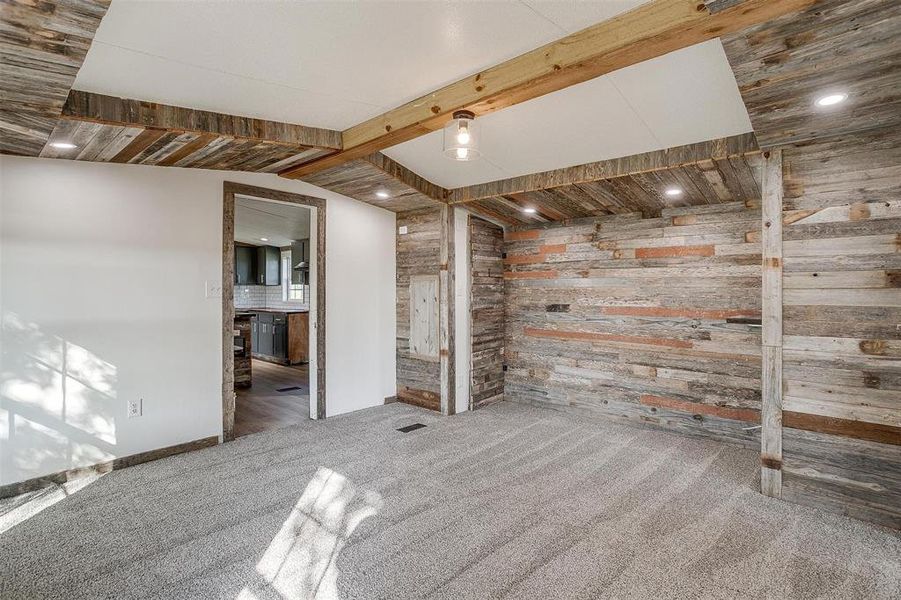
[245, 265]
[280, 337]
[269, 265]
[280, 340]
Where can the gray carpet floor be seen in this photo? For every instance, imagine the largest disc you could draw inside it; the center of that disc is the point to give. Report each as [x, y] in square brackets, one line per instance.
[509, 501]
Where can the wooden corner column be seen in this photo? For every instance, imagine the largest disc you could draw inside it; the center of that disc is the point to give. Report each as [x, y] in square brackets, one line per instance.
[771, 350]
[447, 323]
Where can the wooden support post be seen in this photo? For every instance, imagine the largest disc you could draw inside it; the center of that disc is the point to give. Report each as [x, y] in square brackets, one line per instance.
[446, 298]
[771, 408]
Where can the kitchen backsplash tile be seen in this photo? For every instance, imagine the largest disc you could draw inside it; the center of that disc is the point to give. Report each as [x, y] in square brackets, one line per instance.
[265, 296]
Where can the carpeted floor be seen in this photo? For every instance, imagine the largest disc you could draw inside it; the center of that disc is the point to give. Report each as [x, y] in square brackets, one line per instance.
[509, 501]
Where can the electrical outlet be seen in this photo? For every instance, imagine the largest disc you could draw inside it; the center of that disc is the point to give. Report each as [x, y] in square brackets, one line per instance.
[135, 408]
[213, 289]
[402, 230]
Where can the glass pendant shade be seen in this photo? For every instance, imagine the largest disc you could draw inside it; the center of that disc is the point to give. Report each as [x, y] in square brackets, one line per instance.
[461, 137]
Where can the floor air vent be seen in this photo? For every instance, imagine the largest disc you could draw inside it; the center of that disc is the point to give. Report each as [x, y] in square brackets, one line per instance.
[409, 428]
[289, 389]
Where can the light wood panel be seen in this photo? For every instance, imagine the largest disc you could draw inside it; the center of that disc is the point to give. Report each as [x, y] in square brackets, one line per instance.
[648, 31]
[849, 46]
[486, 250]
[42, 47]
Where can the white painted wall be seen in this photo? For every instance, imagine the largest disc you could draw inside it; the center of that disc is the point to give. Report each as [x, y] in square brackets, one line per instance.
[462, 283]
[102, 273]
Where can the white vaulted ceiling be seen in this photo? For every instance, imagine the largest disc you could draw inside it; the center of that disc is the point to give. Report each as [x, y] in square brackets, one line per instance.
[335, 64]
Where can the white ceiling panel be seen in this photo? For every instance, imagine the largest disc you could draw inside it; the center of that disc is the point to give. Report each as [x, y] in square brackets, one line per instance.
[572, 15]
[583, 123]
[327, 64]
[686, 96]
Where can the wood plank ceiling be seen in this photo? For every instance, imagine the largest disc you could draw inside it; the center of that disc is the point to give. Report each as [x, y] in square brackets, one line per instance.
[378, 180]
[42, 46]
[108, 129]
[719, 171]
[846, 46]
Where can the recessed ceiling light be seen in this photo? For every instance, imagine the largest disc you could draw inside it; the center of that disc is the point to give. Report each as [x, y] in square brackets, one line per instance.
[673, 191]
[831, 99]
[63, 145]
[529, 210]
[264, 239]
[382, 194]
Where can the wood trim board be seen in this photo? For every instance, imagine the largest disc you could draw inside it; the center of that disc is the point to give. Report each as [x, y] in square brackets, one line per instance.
[230, 190]
[60, 477]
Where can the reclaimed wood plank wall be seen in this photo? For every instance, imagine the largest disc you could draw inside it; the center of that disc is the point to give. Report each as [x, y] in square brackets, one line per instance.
[418, 254]
[841, 316]
[486, 312]
[653, 320]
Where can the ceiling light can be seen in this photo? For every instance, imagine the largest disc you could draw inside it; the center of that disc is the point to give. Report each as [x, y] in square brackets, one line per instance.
[831, 99]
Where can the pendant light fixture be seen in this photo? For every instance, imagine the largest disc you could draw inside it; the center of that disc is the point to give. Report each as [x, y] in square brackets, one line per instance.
[461, 137]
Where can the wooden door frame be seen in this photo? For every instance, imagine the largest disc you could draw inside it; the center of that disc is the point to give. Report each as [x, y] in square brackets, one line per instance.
[230, 189]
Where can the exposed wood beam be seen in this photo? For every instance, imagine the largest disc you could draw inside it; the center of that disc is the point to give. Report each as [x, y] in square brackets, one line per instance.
[124, 112]
[648, 31]
[646, 162]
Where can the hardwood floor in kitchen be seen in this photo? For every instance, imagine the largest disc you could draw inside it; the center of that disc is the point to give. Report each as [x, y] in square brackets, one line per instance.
[262, 406]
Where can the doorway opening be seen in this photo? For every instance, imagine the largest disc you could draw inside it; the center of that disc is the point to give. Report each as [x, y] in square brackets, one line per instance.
[273, 309]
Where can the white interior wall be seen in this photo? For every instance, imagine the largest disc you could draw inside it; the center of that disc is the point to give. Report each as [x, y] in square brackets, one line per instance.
[104, 270]
[462, 326]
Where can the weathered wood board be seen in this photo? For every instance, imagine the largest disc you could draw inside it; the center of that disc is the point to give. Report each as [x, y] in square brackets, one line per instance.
[486, 312]
[418, 256]
[842, 357]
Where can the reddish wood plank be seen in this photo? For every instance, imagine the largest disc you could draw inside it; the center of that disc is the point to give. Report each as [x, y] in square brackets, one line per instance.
[529, 234]
[874, 432]
[666, 251]
[723, 412]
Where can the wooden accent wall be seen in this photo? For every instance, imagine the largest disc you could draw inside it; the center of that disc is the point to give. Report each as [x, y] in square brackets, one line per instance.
[486, 312]
[650, 320]
[842, 325]
[418, 254]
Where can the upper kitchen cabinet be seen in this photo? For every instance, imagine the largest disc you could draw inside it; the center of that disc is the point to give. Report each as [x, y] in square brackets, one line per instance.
[245, 265]
[269, 259]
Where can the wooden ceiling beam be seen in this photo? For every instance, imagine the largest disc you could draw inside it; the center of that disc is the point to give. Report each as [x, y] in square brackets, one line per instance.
[647, 162]
[648, 31]
[124, 112]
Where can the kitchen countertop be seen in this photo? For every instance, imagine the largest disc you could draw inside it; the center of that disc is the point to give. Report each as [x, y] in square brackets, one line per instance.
[239, 311]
